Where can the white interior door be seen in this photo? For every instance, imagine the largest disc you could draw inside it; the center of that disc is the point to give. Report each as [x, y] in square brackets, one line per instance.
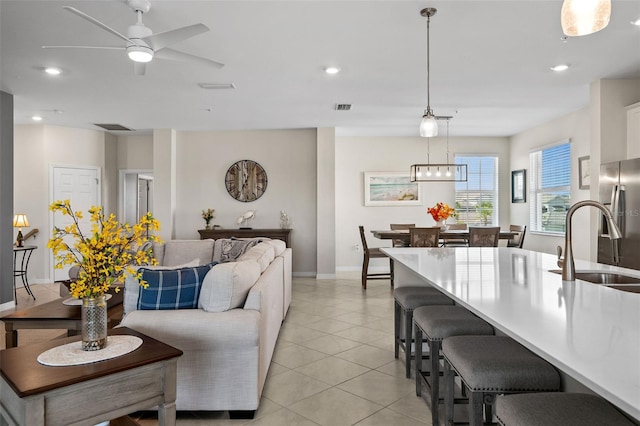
[80, 186]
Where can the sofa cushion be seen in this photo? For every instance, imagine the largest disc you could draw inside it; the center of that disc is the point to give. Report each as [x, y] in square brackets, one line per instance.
[262, 253]
[176, 252]
[278, 245]
[230, 249]
[132, 285]
[226, 286]
[173, 288]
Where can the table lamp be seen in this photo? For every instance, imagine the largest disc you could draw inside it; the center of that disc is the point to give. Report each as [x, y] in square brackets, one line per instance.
[19, 221]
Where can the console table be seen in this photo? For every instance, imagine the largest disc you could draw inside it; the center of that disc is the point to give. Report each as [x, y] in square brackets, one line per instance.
[276, 234]
[20, 268]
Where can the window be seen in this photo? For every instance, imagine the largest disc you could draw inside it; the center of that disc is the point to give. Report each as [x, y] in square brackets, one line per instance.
[550, 188]
[477, 198]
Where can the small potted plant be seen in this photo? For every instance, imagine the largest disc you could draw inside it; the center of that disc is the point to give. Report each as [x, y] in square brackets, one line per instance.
[208, 215]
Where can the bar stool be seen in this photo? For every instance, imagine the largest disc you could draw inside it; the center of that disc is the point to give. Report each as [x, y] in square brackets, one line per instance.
[491, 365]
[435, 323]
[557, 409]
[406, 300]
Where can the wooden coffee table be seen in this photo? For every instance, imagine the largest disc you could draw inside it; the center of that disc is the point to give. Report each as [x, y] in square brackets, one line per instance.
[34, 394]
[54, 315]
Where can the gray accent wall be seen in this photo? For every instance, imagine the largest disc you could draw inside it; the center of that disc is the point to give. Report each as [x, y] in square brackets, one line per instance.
[6, 195]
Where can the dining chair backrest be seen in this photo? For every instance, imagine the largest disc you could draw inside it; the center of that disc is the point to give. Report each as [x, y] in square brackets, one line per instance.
[424, 237]
[518, 240]
[399, 242]
[365, 248]
[458, 241]
[484, 237]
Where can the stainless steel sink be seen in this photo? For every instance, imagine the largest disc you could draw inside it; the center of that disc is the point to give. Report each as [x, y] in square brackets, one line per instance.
[605, 278]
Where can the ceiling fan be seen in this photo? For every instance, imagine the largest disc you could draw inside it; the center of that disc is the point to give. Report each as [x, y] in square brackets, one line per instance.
[141, 44]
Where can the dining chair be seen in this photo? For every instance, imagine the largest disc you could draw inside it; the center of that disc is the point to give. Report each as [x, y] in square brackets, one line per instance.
[484, 237]
[373, 253]
[517, 240]
[456, 242]
[399, 242]
[424, 237]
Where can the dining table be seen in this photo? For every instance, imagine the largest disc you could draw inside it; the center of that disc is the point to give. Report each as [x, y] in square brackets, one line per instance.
[458, 234]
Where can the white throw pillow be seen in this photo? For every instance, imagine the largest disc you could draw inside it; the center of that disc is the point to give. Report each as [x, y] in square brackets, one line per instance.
[227, 285]
[262, 253]
[132, 285]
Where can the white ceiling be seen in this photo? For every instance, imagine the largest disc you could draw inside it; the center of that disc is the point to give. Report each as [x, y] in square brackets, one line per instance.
[489, 65]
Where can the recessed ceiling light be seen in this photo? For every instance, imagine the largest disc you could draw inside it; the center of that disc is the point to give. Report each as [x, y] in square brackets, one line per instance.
[636, 22]
[36, 118]
[332, 70]
[561, 67]
[52, 71]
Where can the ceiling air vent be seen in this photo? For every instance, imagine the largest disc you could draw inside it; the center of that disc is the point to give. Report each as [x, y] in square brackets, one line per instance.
[217, 86]
[343, 107]
[113, 127]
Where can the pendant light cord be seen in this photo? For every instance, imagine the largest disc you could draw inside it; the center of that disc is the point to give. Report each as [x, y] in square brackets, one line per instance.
[428, 67]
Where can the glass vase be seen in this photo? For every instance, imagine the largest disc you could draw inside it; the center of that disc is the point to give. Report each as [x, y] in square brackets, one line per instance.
[94, 323]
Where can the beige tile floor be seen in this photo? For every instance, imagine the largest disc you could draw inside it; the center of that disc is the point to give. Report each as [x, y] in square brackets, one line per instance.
[333, 363]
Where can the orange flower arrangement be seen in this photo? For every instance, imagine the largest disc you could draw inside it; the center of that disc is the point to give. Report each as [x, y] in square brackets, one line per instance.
[441, 211]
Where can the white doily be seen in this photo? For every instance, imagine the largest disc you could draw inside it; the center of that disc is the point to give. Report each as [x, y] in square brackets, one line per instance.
[72, 353]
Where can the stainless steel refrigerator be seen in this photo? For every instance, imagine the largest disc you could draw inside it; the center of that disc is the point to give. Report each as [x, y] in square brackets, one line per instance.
[620, 192]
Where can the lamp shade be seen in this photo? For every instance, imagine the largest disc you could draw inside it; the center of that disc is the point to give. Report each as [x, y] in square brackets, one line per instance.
[428, 126]
[582, 17]
[20, 220]
[140, 53]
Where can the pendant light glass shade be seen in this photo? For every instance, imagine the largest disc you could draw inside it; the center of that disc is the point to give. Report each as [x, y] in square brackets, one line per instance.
[582, 17]
[428, 125]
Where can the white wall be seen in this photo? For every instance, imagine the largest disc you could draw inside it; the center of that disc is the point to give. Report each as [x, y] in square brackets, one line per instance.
[574, 126]
[354, 156]
[36, 148]
[135, 152]
[288, 157]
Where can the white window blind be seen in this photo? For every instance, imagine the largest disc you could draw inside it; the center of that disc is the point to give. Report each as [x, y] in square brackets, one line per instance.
[550, 188]
[477, 198]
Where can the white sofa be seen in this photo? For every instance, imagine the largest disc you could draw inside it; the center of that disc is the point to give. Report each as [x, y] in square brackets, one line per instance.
[227, 349]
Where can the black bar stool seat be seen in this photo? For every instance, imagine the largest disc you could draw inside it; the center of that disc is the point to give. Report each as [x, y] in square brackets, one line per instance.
[491, 365]
[557, 409]
[433, 324]
[406, 299]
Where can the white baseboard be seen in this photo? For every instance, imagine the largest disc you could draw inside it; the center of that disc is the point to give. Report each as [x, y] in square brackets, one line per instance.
[304, 274]
[8, 305]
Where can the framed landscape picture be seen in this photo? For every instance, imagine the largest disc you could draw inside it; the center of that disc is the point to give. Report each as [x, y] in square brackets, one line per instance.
[390, 189]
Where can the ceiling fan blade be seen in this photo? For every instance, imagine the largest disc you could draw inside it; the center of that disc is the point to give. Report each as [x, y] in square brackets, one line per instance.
[176, 55]
[139, 68]
[161, 40]
[85, 47]
[98, 23]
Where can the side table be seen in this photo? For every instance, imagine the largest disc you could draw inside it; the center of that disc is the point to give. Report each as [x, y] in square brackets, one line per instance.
[21, 272]
[34, 394]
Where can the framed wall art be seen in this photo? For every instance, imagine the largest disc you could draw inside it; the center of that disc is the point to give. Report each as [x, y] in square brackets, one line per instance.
[584, 175]
[519, 186]
[390, 189]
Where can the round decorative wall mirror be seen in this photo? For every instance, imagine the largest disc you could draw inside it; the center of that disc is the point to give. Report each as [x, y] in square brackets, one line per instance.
[246, 180]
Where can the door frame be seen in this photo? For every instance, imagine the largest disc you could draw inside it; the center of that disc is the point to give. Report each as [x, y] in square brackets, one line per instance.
[121, 187]
[52, 167]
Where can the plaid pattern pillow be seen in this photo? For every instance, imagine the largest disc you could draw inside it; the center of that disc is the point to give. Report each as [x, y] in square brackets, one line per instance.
[172, 289]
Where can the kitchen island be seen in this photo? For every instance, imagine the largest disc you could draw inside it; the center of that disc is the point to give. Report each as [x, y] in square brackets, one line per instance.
[590, 332]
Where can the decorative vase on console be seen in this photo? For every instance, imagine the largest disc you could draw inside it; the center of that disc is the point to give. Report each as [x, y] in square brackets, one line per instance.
[102, 256]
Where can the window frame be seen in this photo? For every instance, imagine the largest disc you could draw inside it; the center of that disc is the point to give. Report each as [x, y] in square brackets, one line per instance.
[495, 215]
[537, 191]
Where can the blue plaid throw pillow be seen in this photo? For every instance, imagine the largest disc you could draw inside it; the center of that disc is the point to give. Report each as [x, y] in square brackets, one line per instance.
[172, 289]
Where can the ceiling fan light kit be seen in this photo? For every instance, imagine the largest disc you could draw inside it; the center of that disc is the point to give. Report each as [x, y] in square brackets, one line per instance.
[142, 45]
[583, 17]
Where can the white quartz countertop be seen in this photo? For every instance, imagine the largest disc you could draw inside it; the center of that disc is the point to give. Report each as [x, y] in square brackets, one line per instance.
[588, 331]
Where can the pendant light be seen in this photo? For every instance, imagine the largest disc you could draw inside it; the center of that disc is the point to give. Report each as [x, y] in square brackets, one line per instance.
[447, 172]
[429, 124]
[582, 17]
